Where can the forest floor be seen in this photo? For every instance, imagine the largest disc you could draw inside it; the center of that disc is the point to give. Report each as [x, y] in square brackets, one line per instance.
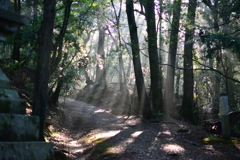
[86, 132]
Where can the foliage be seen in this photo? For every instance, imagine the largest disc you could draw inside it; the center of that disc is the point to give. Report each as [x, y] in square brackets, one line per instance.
[216, 52]
[29, 32]
[216, 42]
[215, 139]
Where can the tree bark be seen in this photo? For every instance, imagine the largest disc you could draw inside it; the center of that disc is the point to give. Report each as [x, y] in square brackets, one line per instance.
[178, 75]
[122, 77]
[57, 51]
[220, 12]
[100, 68]
[60, 81]
[160, 55]
[156, 93]
[187, 109]
[42, 70]
[142, 96]
[169, 107]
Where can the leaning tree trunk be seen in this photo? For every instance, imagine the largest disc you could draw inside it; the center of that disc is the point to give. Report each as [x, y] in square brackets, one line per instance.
[58, 46]
[187, 109]
[42, 71]
[142, 96]
[60, 81]
[169, 107]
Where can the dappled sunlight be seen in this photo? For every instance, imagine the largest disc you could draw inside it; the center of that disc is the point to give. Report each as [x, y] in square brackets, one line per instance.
[106, 134]
[130, 120]
[166, 132]
[122, 145]
[74, 143]
[74, 147]
[61, 137]
[136, 134]
[100, 133]
[101, 111]
[127, 68]
[129, 140]
[173, 148]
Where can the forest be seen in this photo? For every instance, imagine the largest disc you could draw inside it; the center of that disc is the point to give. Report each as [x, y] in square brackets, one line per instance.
[151, 59]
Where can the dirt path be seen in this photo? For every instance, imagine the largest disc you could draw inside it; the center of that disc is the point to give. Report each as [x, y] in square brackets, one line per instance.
[94, 133]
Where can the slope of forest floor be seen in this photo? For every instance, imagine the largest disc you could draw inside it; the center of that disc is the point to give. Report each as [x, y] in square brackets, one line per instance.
[87, 132]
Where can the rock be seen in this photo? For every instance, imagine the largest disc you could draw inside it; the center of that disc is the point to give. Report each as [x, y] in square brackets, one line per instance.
[26, 151]
[15, 127]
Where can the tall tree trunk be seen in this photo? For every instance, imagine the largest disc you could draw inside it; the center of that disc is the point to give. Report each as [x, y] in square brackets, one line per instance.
[169, 107]
[122, 78]
[187, 109]
[178, 75]
[141, 90]
[216, 88]
[42, 70]
[35, 7]
[156, 93]
[100, 68]
[160, 55]
[217, 77]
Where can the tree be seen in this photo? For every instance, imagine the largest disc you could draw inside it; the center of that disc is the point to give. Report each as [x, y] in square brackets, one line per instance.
[57, 55]
[160, 53]
[218, 47]
[42, 70]
[58, 46]
[118, 43]
[169, 90]
[142, 96]
[187, 109]
[156, 93]
[60, 80]
[100, 56]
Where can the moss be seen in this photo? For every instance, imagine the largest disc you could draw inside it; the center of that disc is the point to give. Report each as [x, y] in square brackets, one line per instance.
[89, 135]
[215, 139]
[176, 128]
[109, 154]
[99, 140]
[101, 149]
[115, 112]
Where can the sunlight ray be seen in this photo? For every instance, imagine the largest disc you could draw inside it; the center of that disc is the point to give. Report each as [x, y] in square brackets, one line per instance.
[136, 134]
